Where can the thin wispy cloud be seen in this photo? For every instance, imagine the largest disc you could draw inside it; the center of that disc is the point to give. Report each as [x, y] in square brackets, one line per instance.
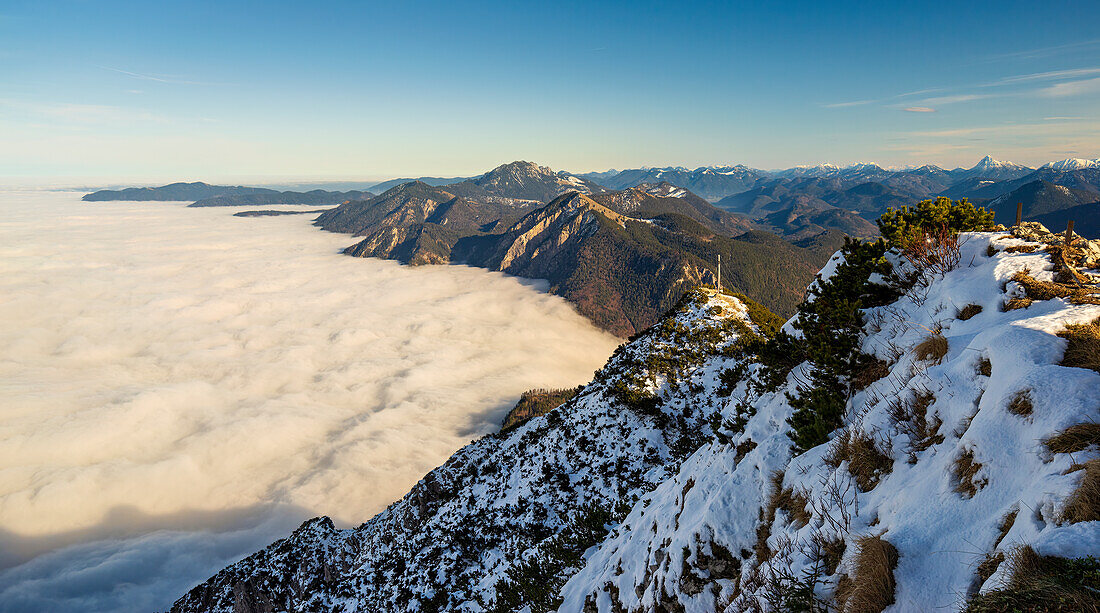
[1044, 51]
[918, 109]
[919, 92]
[76, 113]
[1071, 88]
[941, 100]
[153, 77]
[841, 105]
[1052, 75]
[1077, 128]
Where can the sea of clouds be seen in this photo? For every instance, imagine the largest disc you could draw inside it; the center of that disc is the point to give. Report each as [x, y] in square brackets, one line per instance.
[179, 387]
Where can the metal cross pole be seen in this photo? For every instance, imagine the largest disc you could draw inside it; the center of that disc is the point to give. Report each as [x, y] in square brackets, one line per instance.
[1069, 233]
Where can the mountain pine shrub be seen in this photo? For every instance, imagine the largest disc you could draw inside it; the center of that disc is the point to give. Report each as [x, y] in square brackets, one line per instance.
[902, 227]
[831, 323]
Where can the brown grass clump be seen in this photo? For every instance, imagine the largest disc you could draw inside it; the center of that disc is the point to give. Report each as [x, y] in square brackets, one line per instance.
[985, 367]
[873, 371]
[969, 311]
[794, 503]
[1017, 303]
[871, 588]
[1074, 439]
[1084, 503]
[1021, 403]
[866, 462]
[1083, 350]
[767, 517]
[912, 419]
[1022, 249]
[1043, 584]
[1046, 290]
[932, 348]
[989, 566]
[1006, 525]
[965, 468]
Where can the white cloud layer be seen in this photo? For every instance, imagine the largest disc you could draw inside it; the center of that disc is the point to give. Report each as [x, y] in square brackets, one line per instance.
[181, 385]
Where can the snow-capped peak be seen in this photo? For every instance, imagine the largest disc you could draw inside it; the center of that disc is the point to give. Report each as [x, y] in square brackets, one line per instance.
[1073, 164]
[989, 162]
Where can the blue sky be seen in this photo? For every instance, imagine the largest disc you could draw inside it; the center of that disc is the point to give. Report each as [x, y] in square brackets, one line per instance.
[202, 90]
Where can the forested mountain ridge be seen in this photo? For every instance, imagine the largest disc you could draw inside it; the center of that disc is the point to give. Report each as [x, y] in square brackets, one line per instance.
[622, 258]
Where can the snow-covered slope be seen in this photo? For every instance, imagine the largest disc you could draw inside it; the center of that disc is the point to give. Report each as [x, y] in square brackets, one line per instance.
[960, 456]
[670, 482]
[494, 503]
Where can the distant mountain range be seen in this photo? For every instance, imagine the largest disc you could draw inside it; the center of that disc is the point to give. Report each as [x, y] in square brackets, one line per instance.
[803, 200]
[203, 194]
[626, 247]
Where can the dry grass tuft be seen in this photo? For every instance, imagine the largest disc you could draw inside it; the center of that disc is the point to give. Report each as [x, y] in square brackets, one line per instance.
[1006, 525]
[932, 348]
[1046, 290]
[1017, 303]
[989, 566]
[912, 420]
[870, 373]
[1074, 439]
[969, 311]
[1083, 350]
[871, 588]
[1043, 584]
[965, 468]
[985, 367]
[866, 461]
[1021, 403]
[767, 517]
[1084, 503]
[1022, 249]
